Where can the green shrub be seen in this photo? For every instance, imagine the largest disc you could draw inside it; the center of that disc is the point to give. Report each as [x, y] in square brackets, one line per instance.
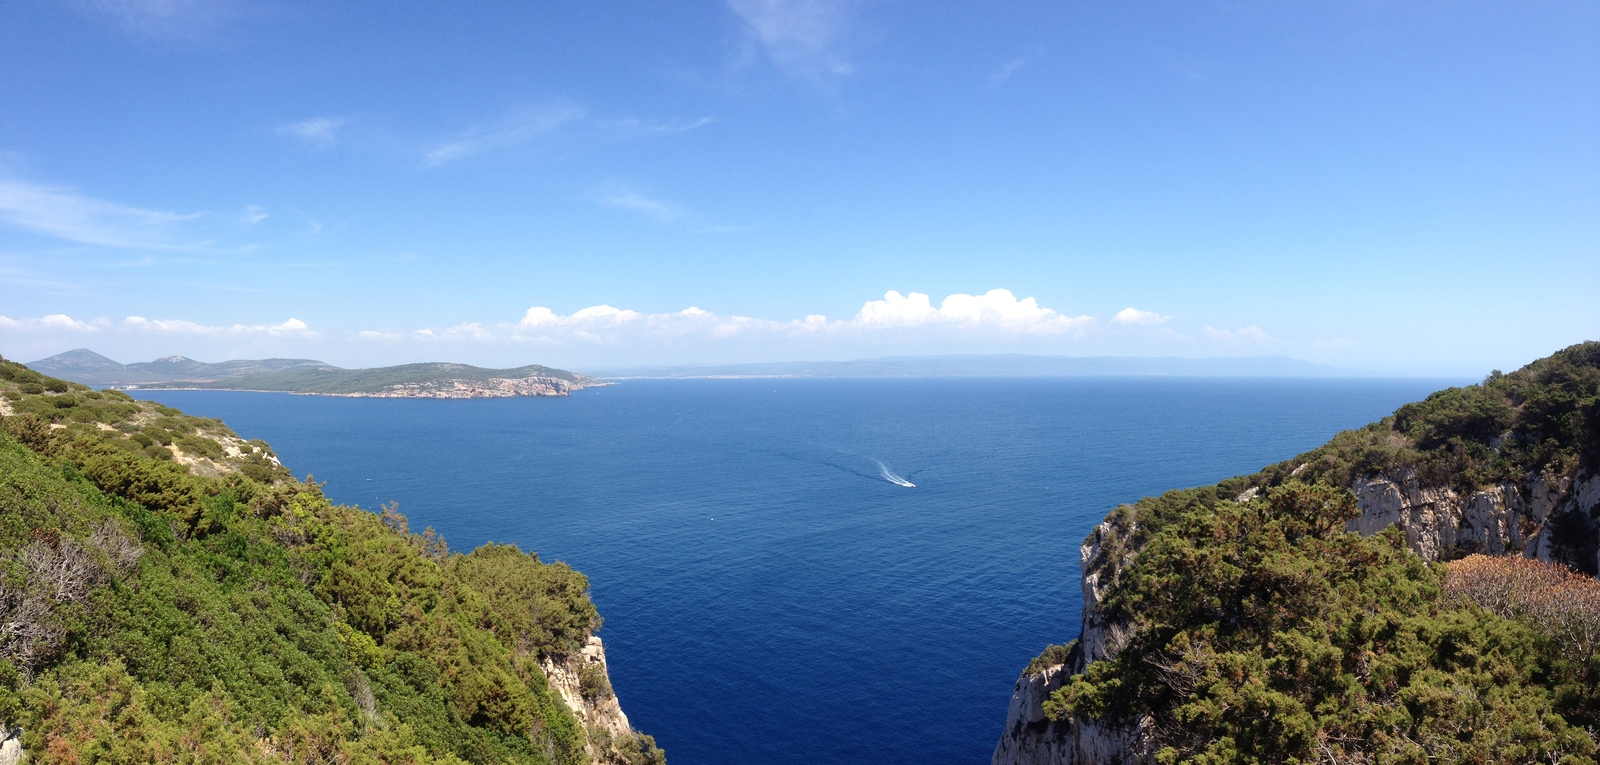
[592, 682]
[30, 429]
[204, 447]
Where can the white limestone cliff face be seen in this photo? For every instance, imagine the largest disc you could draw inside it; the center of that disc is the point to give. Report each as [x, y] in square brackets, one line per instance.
[603, 713]
[1030, 736]
[1507, 519]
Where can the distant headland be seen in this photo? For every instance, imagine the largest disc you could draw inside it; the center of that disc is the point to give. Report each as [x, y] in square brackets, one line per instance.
[306, 376]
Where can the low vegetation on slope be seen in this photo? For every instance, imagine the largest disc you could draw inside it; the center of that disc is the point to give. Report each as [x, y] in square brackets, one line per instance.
[1264, 632]
[1253, 627]
[168, 593]
[1543, 419]
[334, 381]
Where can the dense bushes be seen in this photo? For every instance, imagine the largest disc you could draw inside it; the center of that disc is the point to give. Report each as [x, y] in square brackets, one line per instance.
[1265, 633]
[1543, 418]
[532, 606]
[150, 612]
[1260, 631]
[1561, 605]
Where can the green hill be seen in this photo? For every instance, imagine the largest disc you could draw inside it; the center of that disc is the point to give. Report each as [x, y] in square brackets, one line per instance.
[90, 368]
[169, 593]
[433, 379]
[424, 380]
[1249, 622]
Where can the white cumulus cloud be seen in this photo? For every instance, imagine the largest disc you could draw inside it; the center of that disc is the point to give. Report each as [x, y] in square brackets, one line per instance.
[997, 313]
[50, 323]
[997, 309]
[1131, 315]
[184, 327]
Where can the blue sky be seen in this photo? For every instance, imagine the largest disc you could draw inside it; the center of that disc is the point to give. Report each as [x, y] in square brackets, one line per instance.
[1409, 188]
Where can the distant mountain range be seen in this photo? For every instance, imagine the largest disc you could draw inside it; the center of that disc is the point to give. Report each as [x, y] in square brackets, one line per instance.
[90, 368]
[425, 380]
[445, 380]
[998, 365]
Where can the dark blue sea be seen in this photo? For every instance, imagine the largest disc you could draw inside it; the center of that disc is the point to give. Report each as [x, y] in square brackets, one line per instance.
[775, 589]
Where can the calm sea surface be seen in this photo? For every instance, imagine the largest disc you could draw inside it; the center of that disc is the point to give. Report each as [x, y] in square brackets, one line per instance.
[772, 593]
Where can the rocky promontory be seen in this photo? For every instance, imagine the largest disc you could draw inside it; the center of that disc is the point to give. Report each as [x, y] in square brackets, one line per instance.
[1507, 468]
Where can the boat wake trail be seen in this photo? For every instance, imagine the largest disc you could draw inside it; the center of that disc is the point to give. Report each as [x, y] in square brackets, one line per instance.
[891, 476]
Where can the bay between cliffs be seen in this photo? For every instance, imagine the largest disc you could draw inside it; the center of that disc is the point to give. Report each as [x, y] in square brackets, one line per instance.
[769, 595]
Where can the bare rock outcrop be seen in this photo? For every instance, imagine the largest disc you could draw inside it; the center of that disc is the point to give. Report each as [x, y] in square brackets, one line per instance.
[1031, 736]
[11, 752]
[1507, 519]
[583, 682]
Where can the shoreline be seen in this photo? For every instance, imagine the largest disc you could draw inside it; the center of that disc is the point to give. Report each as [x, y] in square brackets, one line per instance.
[380, 394]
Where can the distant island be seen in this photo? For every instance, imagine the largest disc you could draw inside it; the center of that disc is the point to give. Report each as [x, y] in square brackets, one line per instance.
[310, 377]
[996, 365]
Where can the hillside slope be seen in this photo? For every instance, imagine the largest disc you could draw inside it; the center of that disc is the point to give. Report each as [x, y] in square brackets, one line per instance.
[423, 380]
[1347, 605]
[90, 368]
[169, 593]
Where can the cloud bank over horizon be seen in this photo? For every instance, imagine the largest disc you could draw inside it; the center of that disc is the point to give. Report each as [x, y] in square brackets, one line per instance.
[896, 324]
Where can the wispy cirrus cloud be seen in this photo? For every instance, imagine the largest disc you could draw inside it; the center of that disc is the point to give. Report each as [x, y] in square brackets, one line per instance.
[517, 128]
[802, 38]
[660, 210]
[188, 21]
[1009, 68]
[629, 128]
[65, 213]
[568, 122]
[320, 131]
[1005, 71]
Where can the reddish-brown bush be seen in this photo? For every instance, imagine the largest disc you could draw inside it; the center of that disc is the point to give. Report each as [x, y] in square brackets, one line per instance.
[1563, 603]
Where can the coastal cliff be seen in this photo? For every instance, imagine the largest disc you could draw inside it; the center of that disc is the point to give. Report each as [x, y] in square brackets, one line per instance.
[1508, 468]
[170, 593]
[583, 682]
